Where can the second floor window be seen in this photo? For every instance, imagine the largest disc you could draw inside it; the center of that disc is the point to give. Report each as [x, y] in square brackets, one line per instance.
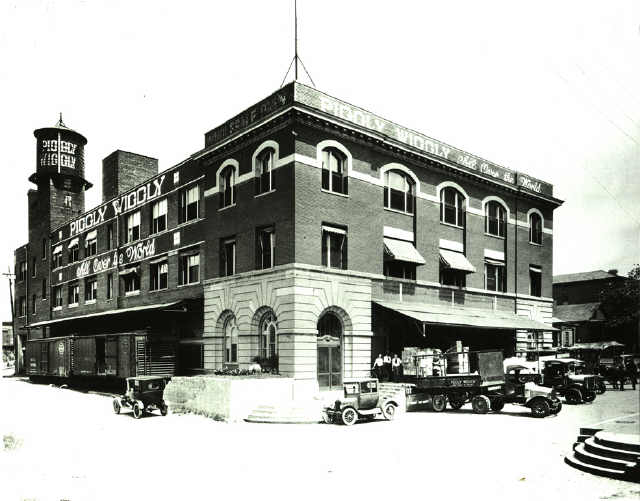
[334, 171]
[133, 226]
[22, 271]
[450, 276]
[73, 294]
[159, 216]
[57, 297]
[190, 269]
[452, 207]
[495, 277]
[495, 219]
[159, 275]
[91, 243]
[227, 257]
[334, 247]
[535, 229]
[91, 289]
[109, 285]
[227, 186]
[131, 283]
[74, 251]
[189, 199]
[535, 281]
[266, 246]
[264, 171]
[399, 191]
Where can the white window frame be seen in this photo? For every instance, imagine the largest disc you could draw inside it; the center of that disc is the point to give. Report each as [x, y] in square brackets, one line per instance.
[158, 213]
[502, 223]
[156, 270]
[270, 230]
[133, 221]
[327, 232]
[409, 190]
[460, 206]
[269, 154]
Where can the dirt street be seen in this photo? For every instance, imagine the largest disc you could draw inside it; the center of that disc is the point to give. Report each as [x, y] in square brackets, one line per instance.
[63, 444]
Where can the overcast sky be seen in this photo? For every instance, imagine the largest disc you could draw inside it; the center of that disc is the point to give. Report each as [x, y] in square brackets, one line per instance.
[548, 88]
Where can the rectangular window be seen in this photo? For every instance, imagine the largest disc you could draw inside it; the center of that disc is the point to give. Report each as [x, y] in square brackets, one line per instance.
[57, 257]
[44, 249]
[400, 269]
[495, 276]
[44, 288]
[109, 236]
[22, 271]
[266, 245]
[535, 281]
[189, 269]
[131, 283]
[159, 216]
[74, 251]
[33, 267]
[227, 257]
[449, 276]
[33, 304]
[334, 247]
[90, 289]
[73, 294]
[22, 306]
[57, 297]
[91, 246]
[159, 275]
[133, 227]
[189, 200]
[109, 286]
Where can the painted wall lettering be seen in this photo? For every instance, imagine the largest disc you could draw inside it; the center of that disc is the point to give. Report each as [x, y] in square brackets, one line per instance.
[129, 254]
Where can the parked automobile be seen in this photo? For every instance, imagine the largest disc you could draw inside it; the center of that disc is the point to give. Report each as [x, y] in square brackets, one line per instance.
[566, 376]
[144, 394]
[361, 400]
[521, 388]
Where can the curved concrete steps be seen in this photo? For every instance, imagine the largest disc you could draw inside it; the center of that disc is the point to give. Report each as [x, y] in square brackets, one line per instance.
[607, 454]
[287, 413]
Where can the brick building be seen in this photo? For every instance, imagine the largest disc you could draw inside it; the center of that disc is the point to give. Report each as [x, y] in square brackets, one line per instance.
[307, 231]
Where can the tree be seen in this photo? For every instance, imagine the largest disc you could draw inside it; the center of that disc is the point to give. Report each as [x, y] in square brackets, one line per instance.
[620, 300]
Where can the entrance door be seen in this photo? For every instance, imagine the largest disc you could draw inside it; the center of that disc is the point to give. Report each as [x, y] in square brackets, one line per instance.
[329, 352]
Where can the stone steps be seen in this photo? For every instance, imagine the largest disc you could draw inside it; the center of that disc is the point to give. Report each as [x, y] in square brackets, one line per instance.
[613, 455]
[287, 413]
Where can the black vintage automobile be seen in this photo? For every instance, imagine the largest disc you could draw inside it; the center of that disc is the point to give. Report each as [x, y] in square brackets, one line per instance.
[144, 394]
[566, 376]
[522, 388]
[361, 401]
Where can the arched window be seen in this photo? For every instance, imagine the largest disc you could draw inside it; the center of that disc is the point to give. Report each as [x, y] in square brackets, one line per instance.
[495, 219]
[268, 336]
[231, 340]
[227, 186]
[264, 171]
[452, 207]
[334, 171]
[329, 351]
[399, 191]
[535, 228]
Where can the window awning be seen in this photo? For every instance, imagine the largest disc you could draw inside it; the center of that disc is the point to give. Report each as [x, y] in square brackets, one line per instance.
[456, 261]
[401, 250]
[57, 249]
[92, 235]
[73, 242]
[128, 271]
[120, 311]
[466, 317]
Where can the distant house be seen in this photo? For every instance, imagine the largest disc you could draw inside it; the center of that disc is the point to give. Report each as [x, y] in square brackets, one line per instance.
[578, 310]
[7, 337]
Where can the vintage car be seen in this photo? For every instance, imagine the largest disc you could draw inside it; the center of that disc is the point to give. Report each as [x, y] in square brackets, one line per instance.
[566, 376]
[144, 394]
[521, 388]
[361, 401]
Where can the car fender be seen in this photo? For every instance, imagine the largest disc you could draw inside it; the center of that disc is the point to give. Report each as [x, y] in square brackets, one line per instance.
[389, 401]
[531, 401]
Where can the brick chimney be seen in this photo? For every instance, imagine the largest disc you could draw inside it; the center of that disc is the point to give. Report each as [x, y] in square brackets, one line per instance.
[123, 170]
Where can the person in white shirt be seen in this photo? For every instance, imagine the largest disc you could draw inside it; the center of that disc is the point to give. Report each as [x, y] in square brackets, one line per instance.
[378, 367]
[387, 367]
[396, 367]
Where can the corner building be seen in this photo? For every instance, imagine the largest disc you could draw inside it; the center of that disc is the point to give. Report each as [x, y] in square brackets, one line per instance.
[312, 234]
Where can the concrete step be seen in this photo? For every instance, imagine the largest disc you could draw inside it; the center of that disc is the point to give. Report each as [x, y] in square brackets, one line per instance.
[594, 459]
[287, 413]
[589, 431]
[595, 448]
[571, 460]
[618, 441]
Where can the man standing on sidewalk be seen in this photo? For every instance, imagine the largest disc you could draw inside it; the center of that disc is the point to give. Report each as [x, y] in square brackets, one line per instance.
[631, 371]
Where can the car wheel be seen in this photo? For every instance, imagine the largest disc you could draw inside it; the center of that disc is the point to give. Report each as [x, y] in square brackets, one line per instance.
[164, 409]
[349, 416]
[137, 410]
[480, 404]
[589, 396]
[540, 408]
[116, 406]
[558, 408]
[389, 411]
[573, 396]
[438, 403]
[497, 404]
[600, 388]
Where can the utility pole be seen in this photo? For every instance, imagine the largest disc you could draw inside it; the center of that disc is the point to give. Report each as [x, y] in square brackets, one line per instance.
[16, 363]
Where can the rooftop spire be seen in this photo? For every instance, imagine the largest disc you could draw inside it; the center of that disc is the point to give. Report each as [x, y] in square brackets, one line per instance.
[296, 59]
[60, 122]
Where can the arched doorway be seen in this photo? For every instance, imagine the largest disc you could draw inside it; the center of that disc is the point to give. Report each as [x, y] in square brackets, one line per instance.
[329, 352]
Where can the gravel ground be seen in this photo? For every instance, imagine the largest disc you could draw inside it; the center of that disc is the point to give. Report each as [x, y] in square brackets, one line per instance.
[63, 444]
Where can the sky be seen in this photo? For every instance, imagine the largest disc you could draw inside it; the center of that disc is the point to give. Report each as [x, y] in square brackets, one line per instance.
[547, 88]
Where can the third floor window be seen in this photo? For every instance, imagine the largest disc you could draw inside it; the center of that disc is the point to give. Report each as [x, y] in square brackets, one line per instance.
[264, 171]
[189, 199]
[535, 229]
[334, 171]
[495, 219]
[452, 207]
[133, 227]
[159, 216]
[227, 183]
[399, 191]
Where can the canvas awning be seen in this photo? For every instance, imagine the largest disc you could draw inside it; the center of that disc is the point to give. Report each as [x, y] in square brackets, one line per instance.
[120, 311]
[57, 249]
[92, 235]
[456, 261]
[128, 271]
[73, 242]
[401, 250]
[465, 317]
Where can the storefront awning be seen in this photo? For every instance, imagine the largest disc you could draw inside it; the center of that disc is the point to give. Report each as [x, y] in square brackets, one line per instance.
[121, 311]
[465, 317]
[456, 261]
[401, 250]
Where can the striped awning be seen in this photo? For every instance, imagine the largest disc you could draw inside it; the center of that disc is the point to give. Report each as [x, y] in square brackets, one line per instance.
[401, 250]
[456, 261]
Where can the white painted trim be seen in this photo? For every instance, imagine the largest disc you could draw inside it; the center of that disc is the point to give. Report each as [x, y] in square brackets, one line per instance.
[333, 229]
[297, 157]
[548, 231]
[451, 245]
[494, 198]
[391, 232]
[494, 254]
[452, 184]
[401, 168]
[269, 143]
[331, 143]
